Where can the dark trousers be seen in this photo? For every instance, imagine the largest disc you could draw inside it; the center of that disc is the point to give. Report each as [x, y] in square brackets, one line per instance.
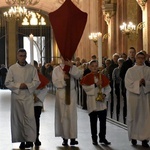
[3, 82]
[84, 99]
[37, 113]
[124, 101]
[112, 100]
[94, 116]
[117, 92]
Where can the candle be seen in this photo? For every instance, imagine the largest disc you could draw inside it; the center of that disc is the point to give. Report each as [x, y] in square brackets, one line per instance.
[100, 50]
[31, 50]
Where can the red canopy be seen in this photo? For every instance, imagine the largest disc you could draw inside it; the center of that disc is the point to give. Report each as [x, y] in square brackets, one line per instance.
[68, 23]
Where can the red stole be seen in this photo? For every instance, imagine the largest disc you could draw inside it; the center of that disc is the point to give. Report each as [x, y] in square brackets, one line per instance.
[44, 81]
[89, 79]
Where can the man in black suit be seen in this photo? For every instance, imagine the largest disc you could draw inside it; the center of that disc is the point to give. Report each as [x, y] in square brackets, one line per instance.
[126, 65]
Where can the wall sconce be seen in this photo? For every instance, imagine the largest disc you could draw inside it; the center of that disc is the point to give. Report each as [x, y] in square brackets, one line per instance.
[95, 36]
[97, 39]
[130, 28]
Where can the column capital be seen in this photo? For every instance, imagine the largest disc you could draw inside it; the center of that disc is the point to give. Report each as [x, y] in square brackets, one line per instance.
[109, 9]
[142, 3]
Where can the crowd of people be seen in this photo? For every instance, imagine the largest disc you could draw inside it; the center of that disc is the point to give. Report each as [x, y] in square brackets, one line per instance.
[81, 82]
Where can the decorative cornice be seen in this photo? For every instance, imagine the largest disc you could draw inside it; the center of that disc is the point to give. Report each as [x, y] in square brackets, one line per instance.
[106, 1]
[109, 9]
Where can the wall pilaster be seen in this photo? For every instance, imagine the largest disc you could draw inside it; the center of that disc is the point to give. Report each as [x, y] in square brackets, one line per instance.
[11, 32]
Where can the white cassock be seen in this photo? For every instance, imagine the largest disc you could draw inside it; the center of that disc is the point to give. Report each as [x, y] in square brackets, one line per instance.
[65, 115]
[92, 104]
[138, 103]
[23, 126]
[41, 94]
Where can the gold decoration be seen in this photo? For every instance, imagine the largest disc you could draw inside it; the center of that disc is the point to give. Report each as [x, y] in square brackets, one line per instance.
[142, 3]
[100, 96]
[94, 37]
[22, 2]
[130, 28]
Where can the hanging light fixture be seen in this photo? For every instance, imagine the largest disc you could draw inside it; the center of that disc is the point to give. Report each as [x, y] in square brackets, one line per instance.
[15, 12]
[33, 18]
[22, 2]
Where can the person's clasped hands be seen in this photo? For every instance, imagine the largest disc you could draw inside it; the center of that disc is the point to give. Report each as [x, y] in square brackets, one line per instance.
[142, 82]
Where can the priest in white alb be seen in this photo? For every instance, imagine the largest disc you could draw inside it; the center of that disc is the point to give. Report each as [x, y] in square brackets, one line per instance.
[66, 112]
[137, 82]
[22, 79]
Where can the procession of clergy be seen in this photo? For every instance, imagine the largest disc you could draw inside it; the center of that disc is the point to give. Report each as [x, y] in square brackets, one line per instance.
[29, 87]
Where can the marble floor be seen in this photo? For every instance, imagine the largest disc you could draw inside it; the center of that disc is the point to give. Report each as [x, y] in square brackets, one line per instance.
[116, 134]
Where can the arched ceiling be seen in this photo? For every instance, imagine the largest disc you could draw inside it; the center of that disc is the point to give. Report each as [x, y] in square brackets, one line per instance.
[44, 5]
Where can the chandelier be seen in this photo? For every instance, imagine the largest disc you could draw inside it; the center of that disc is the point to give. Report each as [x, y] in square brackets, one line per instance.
[130, 28]
[33, 18]
[22, 2]
[15, 12]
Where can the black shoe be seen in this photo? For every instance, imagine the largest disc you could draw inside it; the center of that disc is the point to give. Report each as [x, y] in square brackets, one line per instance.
[95, 143]
[37, 143]
[22, 145]
[29, 144]
[145, 144]
[73, 142]
[105, 142]
[134, 142]
[65, 142]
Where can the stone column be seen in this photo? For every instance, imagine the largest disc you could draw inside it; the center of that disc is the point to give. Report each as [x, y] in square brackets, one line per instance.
[109, 10]
[144, 7]
[55, 54]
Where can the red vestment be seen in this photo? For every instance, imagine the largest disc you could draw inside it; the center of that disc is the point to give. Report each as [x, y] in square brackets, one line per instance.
[89, 79]
[44, 81]
[68, 23]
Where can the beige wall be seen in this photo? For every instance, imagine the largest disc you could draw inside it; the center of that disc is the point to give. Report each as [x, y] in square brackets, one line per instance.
[117, 42]
[11, 31]
[87, 48]
[127, 11]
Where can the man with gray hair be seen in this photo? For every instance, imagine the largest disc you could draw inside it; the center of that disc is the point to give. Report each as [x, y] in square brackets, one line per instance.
[117, 85]
[22, 79]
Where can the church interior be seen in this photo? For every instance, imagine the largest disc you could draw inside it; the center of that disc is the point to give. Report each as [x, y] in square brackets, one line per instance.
[116, 24]
[104, 16]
